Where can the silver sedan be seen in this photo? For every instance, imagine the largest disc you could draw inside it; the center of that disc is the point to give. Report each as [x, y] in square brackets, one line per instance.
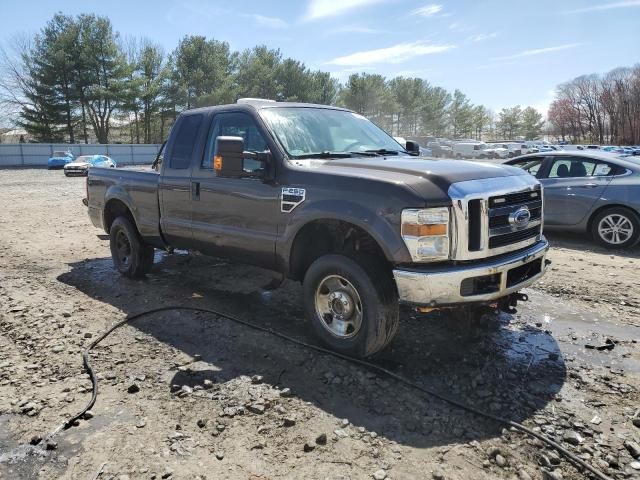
[593, 192]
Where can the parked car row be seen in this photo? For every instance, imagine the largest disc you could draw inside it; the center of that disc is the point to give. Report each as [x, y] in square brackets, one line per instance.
[78, 166]
[630, 150]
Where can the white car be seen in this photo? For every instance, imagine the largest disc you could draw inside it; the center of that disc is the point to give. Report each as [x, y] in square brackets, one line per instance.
[471, 150]
[497, 151]
[80, 166]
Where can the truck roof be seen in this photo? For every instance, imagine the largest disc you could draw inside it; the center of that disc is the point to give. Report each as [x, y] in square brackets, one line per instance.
[259, 104]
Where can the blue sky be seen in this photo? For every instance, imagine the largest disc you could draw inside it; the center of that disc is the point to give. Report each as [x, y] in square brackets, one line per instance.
[499, 52]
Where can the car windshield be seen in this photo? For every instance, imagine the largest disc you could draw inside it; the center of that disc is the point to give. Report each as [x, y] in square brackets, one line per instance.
[86, 159]
[307, 132]
[60, 154]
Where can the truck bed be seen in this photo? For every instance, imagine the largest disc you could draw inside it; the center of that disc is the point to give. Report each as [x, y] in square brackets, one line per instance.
[136, 187]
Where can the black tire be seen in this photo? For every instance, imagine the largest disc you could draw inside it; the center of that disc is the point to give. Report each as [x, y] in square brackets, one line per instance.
[131, 257]
[378, 303]
[66, 174]
[627, 216]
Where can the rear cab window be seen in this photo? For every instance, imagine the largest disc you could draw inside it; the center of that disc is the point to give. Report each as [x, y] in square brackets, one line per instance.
[185, 141]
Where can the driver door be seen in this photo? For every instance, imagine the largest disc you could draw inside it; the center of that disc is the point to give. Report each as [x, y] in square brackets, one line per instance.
[235, 218]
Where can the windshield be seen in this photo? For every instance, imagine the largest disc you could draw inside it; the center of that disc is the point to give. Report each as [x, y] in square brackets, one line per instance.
[60, 154]
[85, 159]
[314, 131]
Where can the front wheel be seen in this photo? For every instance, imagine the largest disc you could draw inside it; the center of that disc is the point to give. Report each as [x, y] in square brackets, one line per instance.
[131, 257]
[616, 227]
[352, 306]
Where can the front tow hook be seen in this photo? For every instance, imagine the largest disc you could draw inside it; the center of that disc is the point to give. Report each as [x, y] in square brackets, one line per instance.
[509, 303]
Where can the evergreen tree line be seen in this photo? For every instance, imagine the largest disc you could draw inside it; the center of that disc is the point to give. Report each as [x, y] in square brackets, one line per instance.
[599, 108]
[77, 80]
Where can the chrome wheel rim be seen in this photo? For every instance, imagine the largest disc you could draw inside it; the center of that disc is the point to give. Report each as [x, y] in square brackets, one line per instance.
[123, 248]
[338, 306]
[615, 229]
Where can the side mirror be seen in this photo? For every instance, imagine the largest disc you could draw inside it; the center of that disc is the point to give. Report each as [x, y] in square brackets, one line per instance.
[413, 148]
[230, 156]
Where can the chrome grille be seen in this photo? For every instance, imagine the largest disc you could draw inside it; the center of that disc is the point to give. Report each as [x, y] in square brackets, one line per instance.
[484, 216]
[501, 209]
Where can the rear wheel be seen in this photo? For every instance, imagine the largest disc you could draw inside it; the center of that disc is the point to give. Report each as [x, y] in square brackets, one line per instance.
[131, 257]
[351, 305]
[616, 227]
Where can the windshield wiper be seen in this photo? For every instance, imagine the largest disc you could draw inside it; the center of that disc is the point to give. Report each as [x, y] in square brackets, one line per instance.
[384, 151]
[365, 153]
[325, 154]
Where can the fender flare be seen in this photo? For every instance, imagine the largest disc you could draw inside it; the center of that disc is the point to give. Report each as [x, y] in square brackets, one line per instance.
[116, 192]
[374, 223]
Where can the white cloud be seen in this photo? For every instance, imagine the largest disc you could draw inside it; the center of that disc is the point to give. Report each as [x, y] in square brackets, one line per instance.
[458, 27]
[606, 6]
[270, 22]
[355, 29]
[538, 51]
[395, 54]
[329, 8]
[483, 36]
[427, 10]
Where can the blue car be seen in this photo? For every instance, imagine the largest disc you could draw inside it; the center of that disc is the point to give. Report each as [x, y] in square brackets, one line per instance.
[59, 159]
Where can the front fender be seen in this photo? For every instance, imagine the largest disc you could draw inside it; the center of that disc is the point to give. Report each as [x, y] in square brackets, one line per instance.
[383, 225]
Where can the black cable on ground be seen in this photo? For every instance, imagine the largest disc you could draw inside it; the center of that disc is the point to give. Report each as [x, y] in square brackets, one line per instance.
[87, 364]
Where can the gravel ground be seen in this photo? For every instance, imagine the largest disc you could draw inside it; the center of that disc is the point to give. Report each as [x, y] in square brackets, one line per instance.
[186, 395]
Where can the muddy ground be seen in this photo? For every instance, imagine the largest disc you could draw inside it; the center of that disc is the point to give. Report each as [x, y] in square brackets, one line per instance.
[184, 395]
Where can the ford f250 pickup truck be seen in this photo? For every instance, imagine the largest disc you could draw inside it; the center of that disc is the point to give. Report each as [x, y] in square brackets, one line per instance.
[323, 196]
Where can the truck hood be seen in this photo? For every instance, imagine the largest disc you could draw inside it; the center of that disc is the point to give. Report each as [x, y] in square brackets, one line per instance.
[430, 179]
[439, 172]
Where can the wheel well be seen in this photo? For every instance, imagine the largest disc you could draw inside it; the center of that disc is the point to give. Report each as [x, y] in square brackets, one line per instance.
[606, 207]
[322, 237]
[114, 209]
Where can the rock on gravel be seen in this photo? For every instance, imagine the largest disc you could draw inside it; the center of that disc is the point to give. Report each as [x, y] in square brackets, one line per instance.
[633, 448]
[380, 474]
[551, 475]
[572, 438]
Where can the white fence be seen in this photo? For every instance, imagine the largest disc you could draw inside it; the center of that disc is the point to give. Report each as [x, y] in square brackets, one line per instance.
[37, 154]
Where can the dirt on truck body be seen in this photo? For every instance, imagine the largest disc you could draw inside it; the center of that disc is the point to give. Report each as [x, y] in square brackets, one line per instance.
[216, 400]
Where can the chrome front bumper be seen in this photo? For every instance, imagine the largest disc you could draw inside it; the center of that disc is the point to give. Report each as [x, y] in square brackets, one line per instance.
[449, 285]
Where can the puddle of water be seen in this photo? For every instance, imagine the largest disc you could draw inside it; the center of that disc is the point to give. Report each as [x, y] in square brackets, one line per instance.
[573, 327]
[17, 460]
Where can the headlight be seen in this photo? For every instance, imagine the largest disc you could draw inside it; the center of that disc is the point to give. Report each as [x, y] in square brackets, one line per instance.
[426, 233]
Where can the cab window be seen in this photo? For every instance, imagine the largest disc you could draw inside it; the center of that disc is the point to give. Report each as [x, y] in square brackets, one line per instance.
[185, 141]
[236, 124]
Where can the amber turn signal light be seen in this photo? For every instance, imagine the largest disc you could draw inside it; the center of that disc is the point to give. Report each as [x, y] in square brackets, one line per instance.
[413, 230]
[217, 162]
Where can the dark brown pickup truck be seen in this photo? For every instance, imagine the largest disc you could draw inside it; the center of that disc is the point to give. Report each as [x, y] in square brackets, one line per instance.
[325, 197]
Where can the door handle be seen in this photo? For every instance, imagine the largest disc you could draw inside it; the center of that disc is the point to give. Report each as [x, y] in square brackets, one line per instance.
[195, 190]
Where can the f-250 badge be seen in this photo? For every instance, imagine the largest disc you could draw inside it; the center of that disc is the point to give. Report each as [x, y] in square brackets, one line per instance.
[291, 198]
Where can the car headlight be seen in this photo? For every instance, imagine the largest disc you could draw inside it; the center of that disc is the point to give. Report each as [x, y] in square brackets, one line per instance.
[426, 233]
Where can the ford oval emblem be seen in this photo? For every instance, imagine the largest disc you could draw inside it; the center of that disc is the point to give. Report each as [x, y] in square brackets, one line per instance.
[520, 218]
